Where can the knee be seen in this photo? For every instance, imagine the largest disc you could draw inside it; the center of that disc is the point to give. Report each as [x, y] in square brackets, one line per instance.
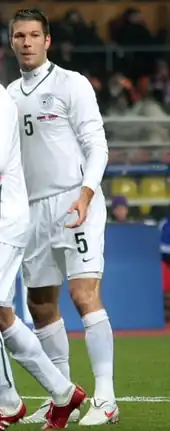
[80, 298]
[6, 318]
[42, 313]
[85, 294]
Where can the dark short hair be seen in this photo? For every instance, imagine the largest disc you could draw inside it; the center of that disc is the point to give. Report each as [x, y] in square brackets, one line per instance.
[30, 15]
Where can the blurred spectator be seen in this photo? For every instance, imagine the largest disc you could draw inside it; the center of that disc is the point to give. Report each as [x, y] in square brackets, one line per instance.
[114, 85]
[120, 103]
[71, 34]
[161, 83]
[99, 89]
[65, 56]
[119, 86]
[130, 30]
[4, 39]
[74, 28]
[142, 86]
[149, 107]
[119, 209]
[164, 227]
[161, 38]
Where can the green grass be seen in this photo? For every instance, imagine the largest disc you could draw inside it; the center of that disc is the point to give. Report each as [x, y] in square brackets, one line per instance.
[142, 368]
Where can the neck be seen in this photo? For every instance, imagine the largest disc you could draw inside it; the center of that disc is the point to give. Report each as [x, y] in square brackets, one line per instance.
[36, 71]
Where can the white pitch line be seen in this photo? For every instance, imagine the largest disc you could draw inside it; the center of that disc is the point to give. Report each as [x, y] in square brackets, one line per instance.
[144, 399]
[34, 398]
[134, 399]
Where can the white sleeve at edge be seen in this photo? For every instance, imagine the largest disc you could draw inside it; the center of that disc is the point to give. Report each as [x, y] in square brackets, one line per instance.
[8, 129]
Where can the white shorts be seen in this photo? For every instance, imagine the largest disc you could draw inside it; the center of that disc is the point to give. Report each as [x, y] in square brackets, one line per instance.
[53, 250]
[10, 262]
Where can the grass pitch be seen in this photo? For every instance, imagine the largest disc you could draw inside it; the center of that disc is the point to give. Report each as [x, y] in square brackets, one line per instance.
[142, 369]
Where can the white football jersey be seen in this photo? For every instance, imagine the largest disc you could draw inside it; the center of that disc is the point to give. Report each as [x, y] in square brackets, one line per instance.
[14, 209]
[63, 142]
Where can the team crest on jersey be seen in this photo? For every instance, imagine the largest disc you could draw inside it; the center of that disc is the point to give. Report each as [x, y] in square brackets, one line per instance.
[46, 100]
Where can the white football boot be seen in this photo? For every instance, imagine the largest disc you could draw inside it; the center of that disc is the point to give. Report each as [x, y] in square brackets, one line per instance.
[100, 412]
[39, 416]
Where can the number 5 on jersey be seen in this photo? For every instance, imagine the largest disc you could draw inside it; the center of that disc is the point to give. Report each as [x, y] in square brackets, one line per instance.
[81, 242]
[28, 126]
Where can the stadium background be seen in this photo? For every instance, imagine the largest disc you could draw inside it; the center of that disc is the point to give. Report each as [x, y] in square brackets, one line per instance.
[124, 50]
[127, 63]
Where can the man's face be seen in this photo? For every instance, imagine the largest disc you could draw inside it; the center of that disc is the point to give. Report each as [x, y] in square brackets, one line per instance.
[120, 213]
[29, 44]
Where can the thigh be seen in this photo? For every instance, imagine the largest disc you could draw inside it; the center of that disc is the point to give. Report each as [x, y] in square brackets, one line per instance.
[87, 256]
[44, 295]
[40, 266]
[11, 258]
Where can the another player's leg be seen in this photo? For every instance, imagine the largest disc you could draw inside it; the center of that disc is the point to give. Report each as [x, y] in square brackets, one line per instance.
[49, 325]
[50, 330]
[32, 357]
[85, 293]
[12, 408]
[26, 348]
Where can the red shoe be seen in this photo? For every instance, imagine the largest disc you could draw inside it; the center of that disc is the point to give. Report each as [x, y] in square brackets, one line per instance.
[8, 418]
[57, 416]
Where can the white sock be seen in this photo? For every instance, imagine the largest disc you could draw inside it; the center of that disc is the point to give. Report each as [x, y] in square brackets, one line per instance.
[27, 350]
[99, 340]
[54, 341]
[8, 395]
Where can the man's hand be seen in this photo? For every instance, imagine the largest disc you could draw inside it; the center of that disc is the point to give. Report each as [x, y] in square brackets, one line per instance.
[81, 209]
[81, 206]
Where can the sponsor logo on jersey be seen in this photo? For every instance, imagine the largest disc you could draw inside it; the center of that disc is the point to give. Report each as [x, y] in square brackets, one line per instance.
[47, 117]
[46, 100]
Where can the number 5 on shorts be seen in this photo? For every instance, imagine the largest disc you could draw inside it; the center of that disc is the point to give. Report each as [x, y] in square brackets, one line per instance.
[81, 242]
